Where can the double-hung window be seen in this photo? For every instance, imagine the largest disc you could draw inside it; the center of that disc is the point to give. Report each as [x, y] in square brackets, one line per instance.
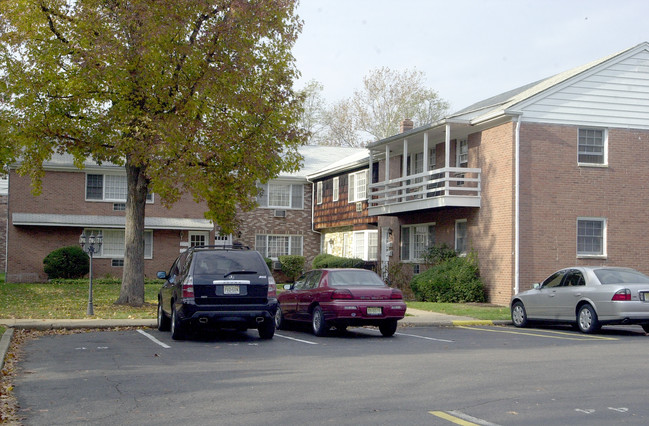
[319, 192]
[366, 244]
[416, 240]
[357, 186]
[113, 243]
[274, 246]
[591, 237]
[336, 188]
[460, 236]
[108, 187]
[592, 147]
[281, 195]
[462, 159]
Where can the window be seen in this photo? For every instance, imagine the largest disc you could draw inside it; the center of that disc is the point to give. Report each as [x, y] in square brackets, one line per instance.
[462, 159]
[591, 237]
[274, 246]
[592, 146]
[432, 158]
[279, 195]
[113, 243]
[107, 187]
[198, 238]
[319, 192]
[460, 236]
[357, 186]
[415, 241]
[366, 244]
[336, 186]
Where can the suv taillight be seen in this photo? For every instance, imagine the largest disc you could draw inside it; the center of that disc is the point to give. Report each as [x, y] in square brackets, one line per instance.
[188, 288]
[624, 294]
[272, 287]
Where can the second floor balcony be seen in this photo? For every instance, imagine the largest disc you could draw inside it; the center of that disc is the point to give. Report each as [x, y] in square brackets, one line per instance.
[444, 187]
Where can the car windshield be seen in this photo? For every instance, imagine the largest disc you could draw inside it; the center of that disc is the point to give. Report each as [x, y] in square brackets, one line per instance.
[354, 278]
[225, 262]
[621, 276]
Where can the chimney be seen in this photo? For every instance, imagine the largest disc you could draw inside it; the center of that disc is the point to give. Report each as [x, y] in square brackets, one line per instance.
[406, 125]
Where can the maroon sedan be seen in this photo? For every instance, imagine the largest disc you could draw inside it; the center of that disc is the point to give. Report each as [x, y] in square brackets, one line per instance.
[341, 298]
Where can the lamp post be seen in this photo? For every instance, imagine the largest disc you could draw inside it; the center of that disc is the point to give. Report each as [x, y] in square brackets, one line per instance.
[91, 244]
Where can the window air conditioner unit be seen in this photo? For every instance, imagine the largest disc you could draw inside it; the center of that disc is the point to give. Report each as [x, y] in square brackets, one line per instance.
[279, 213]
[359, 206]
[277, 266]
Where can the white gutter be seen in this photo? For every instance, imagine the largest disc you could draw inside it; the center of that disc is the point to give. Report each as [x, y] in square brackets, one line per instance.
[313, 201]
[517, 202]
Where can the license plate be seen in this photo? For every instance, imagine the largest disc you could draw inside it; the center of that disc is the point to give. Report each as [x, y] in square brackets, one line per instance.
[230, 289]
[374, 311]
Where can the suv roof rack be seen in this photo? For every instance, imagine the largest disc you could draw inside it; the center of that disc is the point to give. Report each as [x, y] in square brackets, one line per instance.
[235, 246]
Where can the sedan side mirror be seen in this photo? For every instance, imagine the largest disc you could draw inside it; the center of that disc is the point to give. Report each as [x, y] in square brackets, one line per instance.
[288, 286]
[162, 275]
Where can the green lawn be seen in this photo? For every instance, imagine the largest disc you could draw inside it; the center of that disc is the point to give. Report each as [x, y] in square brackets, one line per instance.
[481, 311]
[69, 300]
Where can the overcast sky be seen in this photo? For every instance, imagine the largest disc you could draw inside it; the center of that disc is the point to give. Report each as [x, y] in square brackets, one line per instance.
[469, 49]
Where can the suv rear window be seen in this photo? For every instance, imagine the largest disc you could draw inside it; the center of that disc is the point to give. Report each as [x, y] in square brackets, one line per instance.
[224, 262]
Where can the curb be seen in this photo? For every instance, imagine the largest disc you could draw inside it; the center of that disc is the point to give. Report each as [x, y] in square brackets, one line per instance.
[4, 345]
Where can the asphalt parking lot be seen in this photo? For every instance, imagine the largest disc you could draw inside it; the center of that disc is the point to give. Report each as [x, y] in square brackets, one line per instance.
[422, 375]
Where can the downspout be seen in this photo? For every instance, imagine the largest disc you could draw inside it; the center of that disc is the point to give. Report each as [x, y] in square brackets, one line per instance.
[313, 201]
[517, 202]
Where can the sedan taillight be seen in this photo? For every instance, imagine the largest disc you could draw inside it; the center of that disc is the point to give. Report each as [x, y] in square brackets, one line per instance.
[624, 294]
[396, 294]
[342, 294]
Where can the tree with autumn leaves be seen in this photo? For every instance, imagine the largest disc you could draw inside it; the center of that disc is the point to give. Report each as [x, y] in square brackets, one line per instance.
[190, 96]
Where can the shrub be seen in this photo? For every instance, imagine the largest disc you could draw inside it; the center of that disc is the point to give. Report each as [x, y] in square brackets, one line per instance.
[269, 262]
[66, 262]
[292, 266]
[439, 253]
[454, 280]
[325, 260]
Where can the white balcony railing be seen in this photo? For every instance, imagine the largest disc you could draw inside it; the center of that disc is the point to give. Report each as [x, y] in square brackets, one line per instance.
[444, 187]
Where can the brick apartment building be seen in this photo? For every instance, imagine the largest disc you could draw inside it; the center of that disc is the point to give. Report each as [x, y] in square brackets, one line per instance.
[542, 177]
[93, 199]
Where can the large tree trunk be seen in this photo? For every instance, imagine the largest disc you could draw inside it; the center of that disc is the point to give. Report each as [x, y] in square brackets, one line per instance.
[132, 290]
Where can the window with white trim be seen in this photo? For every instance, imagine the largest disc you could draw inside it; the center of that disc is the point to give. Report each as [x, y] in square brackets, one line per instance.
[319, 192]
[336, 188]
[357, 186]
[416, 240]
[113, 243]
[274, 246]
[432, 158]
[281, 195]
[460, 236]
[366, 244]
[462, 153]
[108, 187]
[591, 236]
[592, 146]
[198, 238]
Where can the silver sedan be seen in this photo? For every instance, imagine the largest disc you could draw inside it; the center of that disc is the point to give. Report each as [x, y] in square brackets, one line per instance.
[588, 296]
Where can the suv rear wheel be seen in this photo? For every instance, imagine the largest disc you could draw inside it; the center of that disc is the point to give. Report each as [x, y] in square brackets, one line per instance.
[266, 329]
[177, 332]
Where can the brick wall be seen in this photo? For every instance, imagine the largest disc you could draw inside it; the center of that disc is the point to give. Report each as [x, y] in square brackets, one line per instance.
[555, 191]
[296, 222]
[64, 193]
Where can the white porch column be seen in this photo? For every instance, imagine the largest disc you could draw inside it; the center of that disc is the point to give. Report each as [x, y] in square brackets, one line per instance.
[425, 152]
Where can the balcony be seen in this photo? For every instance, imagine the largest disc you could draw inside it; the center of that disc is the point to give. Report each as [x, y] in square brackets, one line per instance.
[444, 187]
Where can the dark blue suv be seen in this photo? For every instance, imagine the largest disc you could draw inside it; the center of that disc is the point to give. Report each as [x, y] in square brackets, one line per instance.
[212, 287]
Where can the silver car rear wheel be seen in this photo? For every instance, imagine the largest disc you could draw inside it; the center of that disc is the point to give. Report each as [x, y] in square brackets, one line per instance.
[587, 319]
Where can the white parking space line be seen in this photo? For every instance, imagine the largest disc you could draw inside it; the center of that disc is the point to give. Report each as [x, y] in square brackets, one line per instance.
[297, 340]
[153, 339]
[425, 338]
